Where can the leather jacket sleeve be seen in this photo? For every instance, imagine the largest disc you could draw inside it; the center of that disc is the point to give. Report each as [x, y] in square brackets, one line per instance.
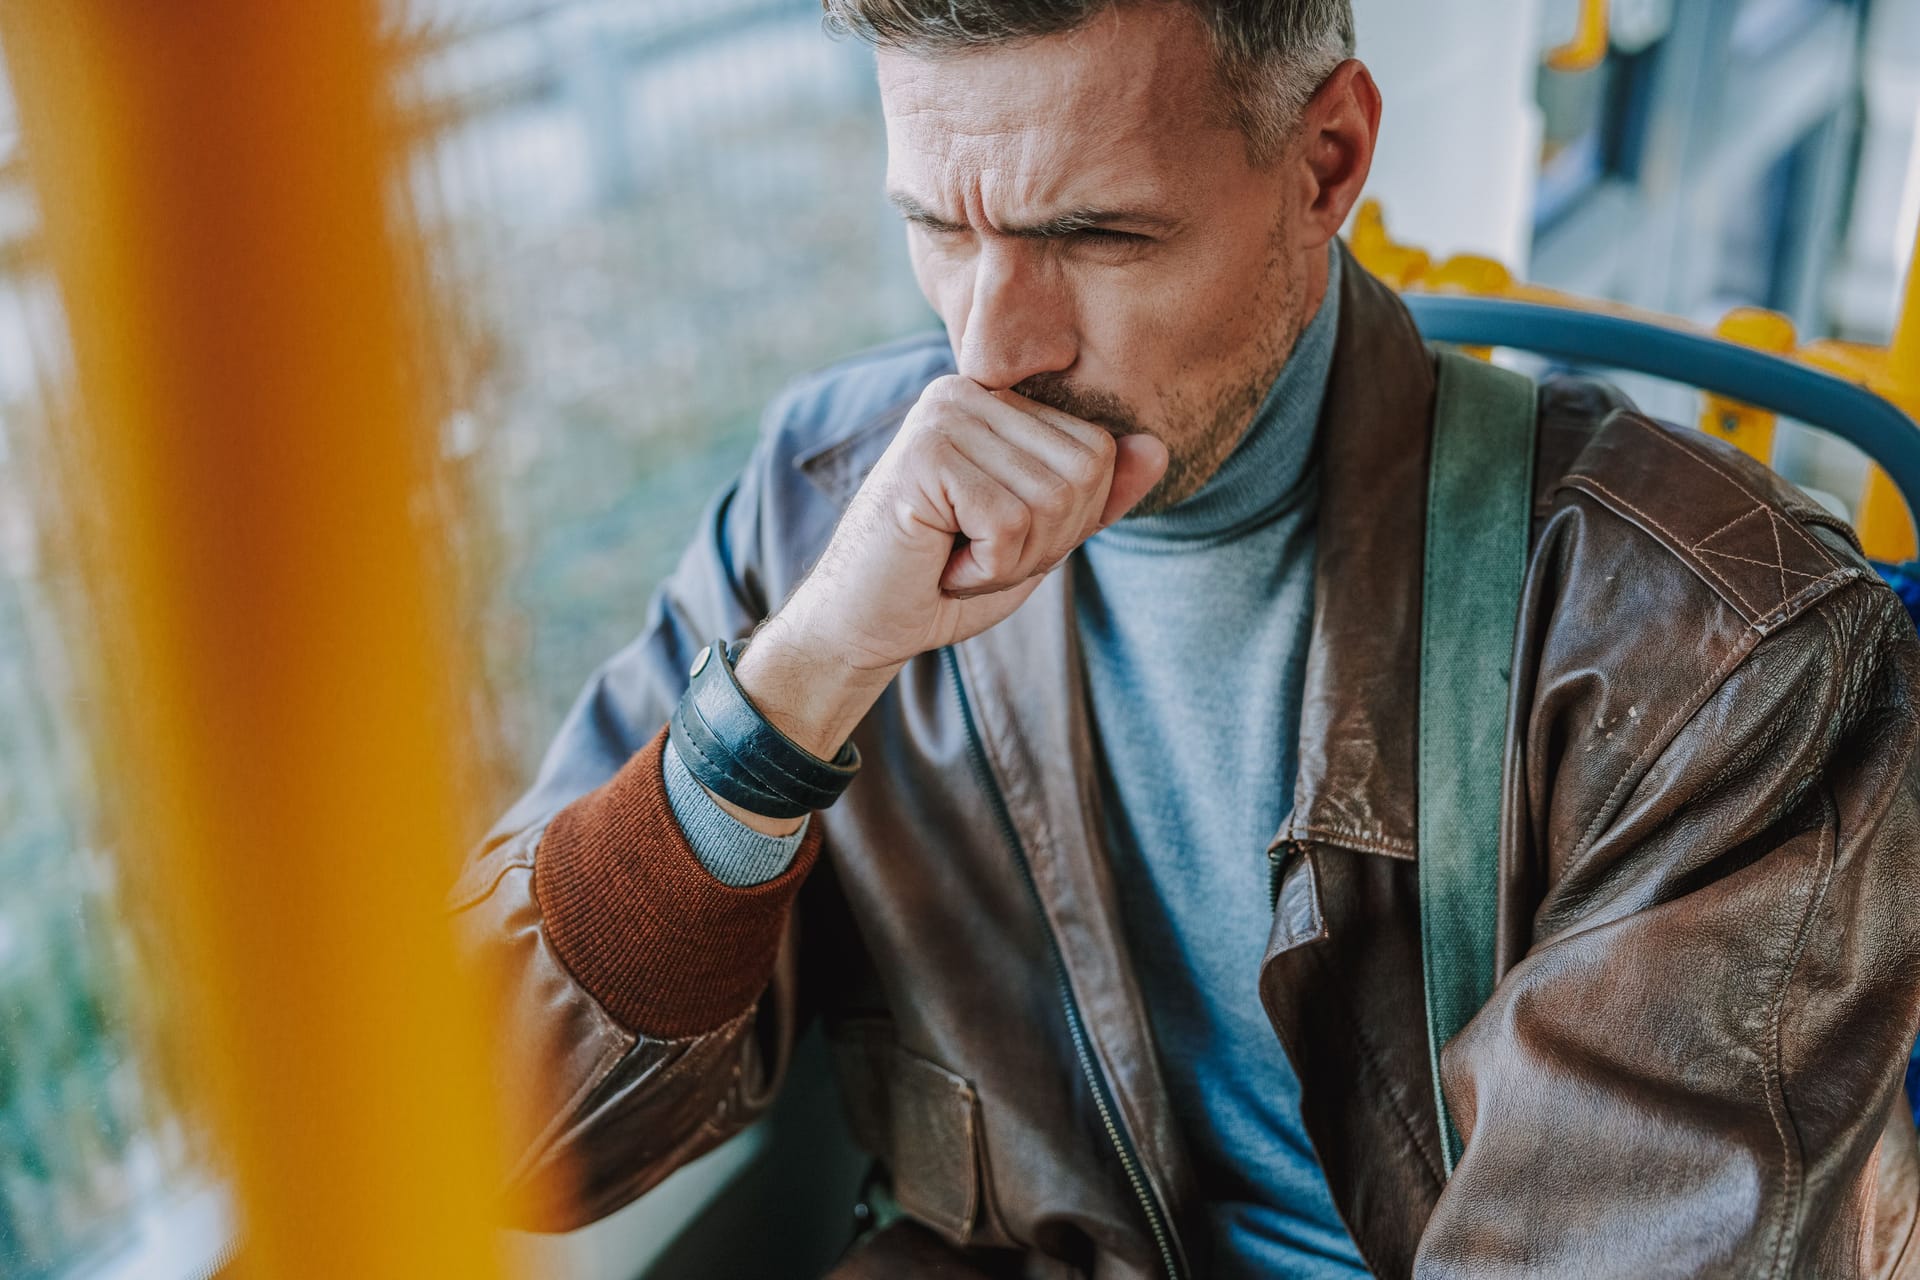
[644, 1011]
[1689, 1068]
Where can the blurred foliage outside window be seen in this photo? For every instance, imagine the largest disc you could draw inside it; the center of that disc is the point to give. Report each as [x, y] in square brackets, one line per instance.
[638, 220]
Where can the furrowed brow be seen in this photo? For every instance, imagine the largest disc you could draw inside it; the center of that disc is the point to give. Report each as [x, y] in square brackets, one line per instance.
[1088, 218]
[1059, 225]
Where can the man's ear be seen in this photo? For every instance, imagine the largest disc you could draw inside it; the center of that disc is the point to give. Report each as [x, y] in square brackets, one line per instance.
[1337, 132]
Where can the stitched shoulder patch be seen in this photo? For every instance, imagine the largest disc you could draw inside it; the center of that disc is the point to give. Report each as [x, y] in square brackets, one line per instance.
[1732, 521]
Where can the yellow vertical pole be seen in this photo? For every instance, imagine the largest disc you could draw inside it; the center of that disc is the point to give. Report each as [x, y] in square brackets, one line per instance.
[1741, 425]
[1904, 354]
[1886, 527]
[213, 179]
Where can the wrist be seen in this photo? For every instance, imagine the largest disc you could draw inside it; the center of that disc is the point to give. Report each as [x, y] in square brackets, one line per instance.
[760, 822]
[737, 753]
[807, 685]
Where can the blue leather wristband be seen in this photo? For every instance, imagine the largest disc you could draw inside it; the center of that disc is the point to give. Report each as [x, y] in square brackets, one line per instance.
[739, 755]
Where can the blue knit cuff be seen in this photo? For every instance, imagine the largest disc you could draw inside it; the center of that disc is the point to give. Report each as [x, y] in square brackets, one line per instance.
[731, 851]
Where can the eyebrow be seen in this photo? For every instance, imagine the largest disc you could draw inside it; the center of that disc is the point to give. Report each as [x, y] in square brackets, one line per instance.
[1060, 224]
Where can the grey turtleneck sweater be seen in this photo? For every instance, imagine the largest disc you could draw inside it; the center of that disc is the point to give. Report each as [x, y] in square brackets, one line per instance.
[1194, 625]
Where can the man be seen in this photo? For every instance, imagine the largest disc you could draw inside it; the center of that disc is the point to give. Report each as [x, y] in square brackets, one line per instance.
[1115, 587]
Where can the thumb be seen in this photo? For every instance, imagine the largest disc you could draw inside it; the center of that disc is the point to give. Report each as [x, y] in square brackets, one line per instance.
[1138, 463]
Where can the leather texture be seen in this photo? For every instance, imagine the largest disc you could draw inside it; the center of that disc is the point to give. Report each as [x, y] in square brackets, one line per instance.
[735, 751]
[1708, 935]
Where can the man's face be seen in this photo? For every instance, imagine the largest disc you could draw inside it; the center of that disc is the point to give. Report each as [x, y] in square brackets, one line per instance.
[1085, 218]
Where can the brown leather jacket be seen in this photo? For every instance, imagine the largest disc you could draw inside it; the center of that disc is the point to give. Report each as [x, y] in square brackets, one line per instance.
[1709, 917]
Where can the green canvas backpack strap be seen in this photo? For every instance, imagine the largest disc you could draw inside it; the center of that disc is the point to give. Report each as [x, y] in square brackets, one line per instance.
[1479, 507]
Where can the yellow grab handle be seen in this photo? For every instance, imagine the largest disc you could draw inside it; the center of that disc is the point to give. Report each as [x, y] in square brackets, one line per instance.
[1589, 44]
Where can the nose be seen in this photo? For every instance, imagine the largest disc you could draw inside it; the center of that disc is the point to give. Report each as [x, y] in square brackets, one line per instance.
[1017, 323]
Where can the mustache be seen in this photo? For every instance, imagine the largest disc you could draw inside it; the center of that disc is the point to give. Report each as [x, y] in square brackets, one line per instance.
[1102, 408]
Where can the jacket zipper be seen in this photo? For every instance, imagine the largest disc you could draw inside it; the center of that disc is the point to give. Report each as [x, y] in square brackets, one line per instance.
[1076, 1029]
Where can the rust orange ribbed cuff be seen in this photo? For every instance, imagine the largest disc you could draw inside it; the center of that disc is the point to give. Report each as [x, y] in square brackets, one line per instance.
[667, 949]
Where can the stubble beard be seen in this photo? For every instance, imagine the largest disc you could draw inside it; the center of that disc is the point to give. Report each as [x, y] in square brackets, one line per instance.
[1196, 453]
[1201, 429]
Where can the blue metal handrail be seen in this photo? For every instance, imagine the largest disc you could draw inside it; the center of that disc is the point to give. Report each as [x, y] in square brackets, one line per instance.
[1851, 412]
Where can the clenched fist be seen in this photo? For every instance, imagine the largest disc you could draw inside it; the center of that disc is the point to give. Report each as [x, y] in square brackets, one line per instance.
[978, 496]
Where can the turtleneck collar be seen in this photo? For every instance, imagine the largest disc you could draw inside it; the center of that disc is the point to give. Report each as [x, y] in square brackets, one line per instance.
[1267, 471]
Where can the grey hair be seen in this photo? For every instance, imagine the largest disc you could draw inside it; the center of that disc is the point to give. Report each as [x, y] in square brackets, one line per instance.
[1271, 55]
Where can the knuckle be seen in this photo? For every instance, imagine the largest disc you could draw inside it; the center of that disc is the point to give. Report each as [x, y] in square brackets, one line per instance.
[1098, 457]
[992, 561]
[1057, 500]
[937, 409]
[947, 389]
[1011, 524]
[932, 449]
[1088, 471]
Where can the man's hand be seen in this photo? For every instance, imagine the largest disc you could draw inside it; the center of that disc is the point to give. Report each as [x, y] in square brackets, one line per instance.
[979, 495]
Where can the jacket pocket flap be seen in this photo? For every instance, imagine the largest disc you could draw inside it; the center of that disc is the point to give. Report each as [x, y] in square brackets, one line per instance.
[918, 1117]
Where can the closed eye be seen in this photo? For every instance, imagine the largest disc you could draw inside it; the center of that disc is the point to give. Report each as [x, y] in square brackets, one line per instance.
[920, 215]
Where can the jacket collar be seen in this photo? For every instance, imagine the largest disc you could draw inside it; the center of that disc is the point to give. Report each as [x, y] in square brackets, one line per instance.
[1357, 744]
